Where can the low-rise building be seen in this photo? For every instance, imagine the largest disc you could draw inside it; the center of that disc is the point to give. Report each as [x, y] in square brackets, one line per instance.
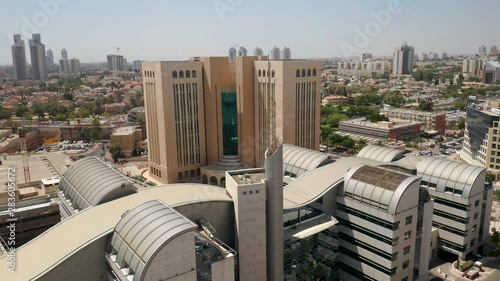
[335, 100]
[385, 130]
[128, 138]
[435, 122]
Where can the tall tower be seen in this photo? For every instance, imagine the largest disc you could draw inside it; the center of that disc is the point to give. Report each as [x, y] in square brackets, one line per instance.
[242, 52]
[64, 54]
[274, 191]
[286, 54]
[232, 53]
[403, 60]
[50, 59]
[19, 59]
[38, 58]
[275, 53]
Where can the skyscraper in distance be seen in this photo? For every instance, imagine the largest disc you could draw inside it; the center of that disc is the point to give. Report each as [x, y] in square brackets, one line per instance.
[403, 60]
[50, 59]
[232, 53]
[242, 52]
[286, 54]
[275, 53]
[64, 54]
[258, 52]
[19, 59]
[38, 58]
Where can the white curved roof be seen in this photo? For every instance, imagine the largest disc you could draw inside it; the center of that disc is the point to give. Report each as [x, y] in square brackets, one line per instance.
[143, 231]
[380, 153]
[452, 174]
[69, 236]
[298, 160]
[89, 181]
[378, 187]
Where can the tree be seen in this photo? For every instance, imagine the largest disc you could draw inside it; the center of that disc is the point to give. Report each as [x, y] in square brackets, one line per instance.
[68, 96]
[95, 122]
[348, 143]
[38, 109]
[461, 123]
[426, 105]
[27, 116]
[21, 109]
[395, 99]
[325, 131]
[116, 151]
[84, 113]
[360, 144]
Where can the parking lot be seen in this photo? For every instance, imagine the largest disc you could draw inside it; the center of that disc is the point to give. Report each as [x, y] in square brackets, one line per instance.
[69, 147]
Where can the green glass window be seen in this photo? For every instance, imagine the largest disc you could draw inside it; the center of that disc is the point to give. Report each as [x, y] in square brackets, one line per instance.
[230, 123]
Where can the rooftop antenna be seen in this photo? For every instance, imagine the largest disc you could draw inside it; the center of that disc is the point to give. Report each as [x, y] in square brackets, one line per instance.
[271, 112]
[117, 50]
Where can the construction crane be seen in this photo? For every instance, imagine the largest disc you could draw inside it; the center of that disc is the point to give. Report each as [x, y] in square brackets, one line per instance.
[24, 152]
[117, 50]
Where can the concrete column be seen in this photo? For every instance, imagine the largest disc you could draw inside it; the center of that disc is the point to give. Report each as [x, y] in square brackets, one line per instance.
[274, 209]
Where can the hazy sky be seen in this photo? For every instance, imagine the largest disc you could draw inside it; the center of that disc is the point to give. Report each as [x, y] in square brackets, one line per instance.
[169, 30]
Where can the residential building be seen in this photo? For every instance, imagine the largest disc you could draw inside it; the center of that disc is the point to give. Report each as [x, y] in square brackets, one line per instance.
[433, 56]
[403, 60]
[74, 65]
[137, 65]
[242, 52]
[423, 57]
[187, 132]
[286, 54]
[435, 122]
[483, 50]
[64, 65]
[385, 130]
[38, 58]
[443, 56]
[366, 56]
[116, 62]
[19, 59]
[335, 100]
[482, 139]
[473, 65]
[275, 53]
[368, 67]
[128, 138]
[258, 52]
[232, 53]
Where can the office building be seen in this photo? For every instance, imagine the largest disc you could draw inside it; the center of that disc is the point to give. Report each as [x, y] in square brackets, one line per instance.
[232, 53]
[64, 54]
[242, 52]
[435, 122]
[403, 60]
[483, 50]
[19, 59]
[116, 62]
[423, 57]
[366, 56]
[137, 65]
[443, 56]
[64, 65]
[38, 58]
[194, 113]
[275, 53]
[50, 60]
[258, 52]
[392, 131]
[128, 138]
[433, 56]
[382, 215]
[490, 73]
[286, 54]
[493, 49]
[74, 65]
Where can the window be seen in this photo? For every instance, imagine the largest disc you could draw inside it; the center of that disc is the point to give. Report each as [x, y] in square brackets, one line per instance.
[472, 242]
[474, 228]
[257, 191]
[263, 73]
[406, 250]
[303, 73]
[405, 279]
[408, 220]
[272, 73]
[188, 74]
[309, 73]
[476, 203]
[297, 74]
[180, 176]
[494, 138]
[244, 193]
[395, 241]
[407, 235]
[181, 74]
[193, 73]
[260, 73]
[406, 264]
[314, 72]
[394, 256]
[174, 74]
[251, 191]
[475, 215]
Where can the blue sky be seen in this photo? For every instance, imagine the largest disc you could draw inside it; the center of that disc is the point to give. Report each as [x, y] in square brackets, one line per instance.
[169, 30]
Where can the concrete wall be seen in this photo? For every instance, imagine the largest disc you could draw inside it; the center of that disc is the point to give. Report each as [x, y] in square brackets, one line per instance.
[223, 270]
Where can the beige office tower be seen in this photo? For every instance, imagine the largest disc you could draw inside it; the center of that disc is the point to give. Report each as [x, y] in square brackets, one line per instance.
[218, 123]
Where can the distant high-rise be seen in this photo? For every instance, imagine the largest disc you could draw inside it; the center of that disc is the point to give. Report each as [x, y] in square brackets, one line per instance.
[366, 56]
[19, 59]
[483, 50]
[38, 58]
[232, 53]
[433, 56]
[116, 62]
[443, 56]
[64, 65]
[403, 60]
[286, 54]
[275, 53]
[50, 59]
[64, 54]
[258, 52]
[423, 57]
[242, 52]
[137, 65]
[74, 65]
[493, 49]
